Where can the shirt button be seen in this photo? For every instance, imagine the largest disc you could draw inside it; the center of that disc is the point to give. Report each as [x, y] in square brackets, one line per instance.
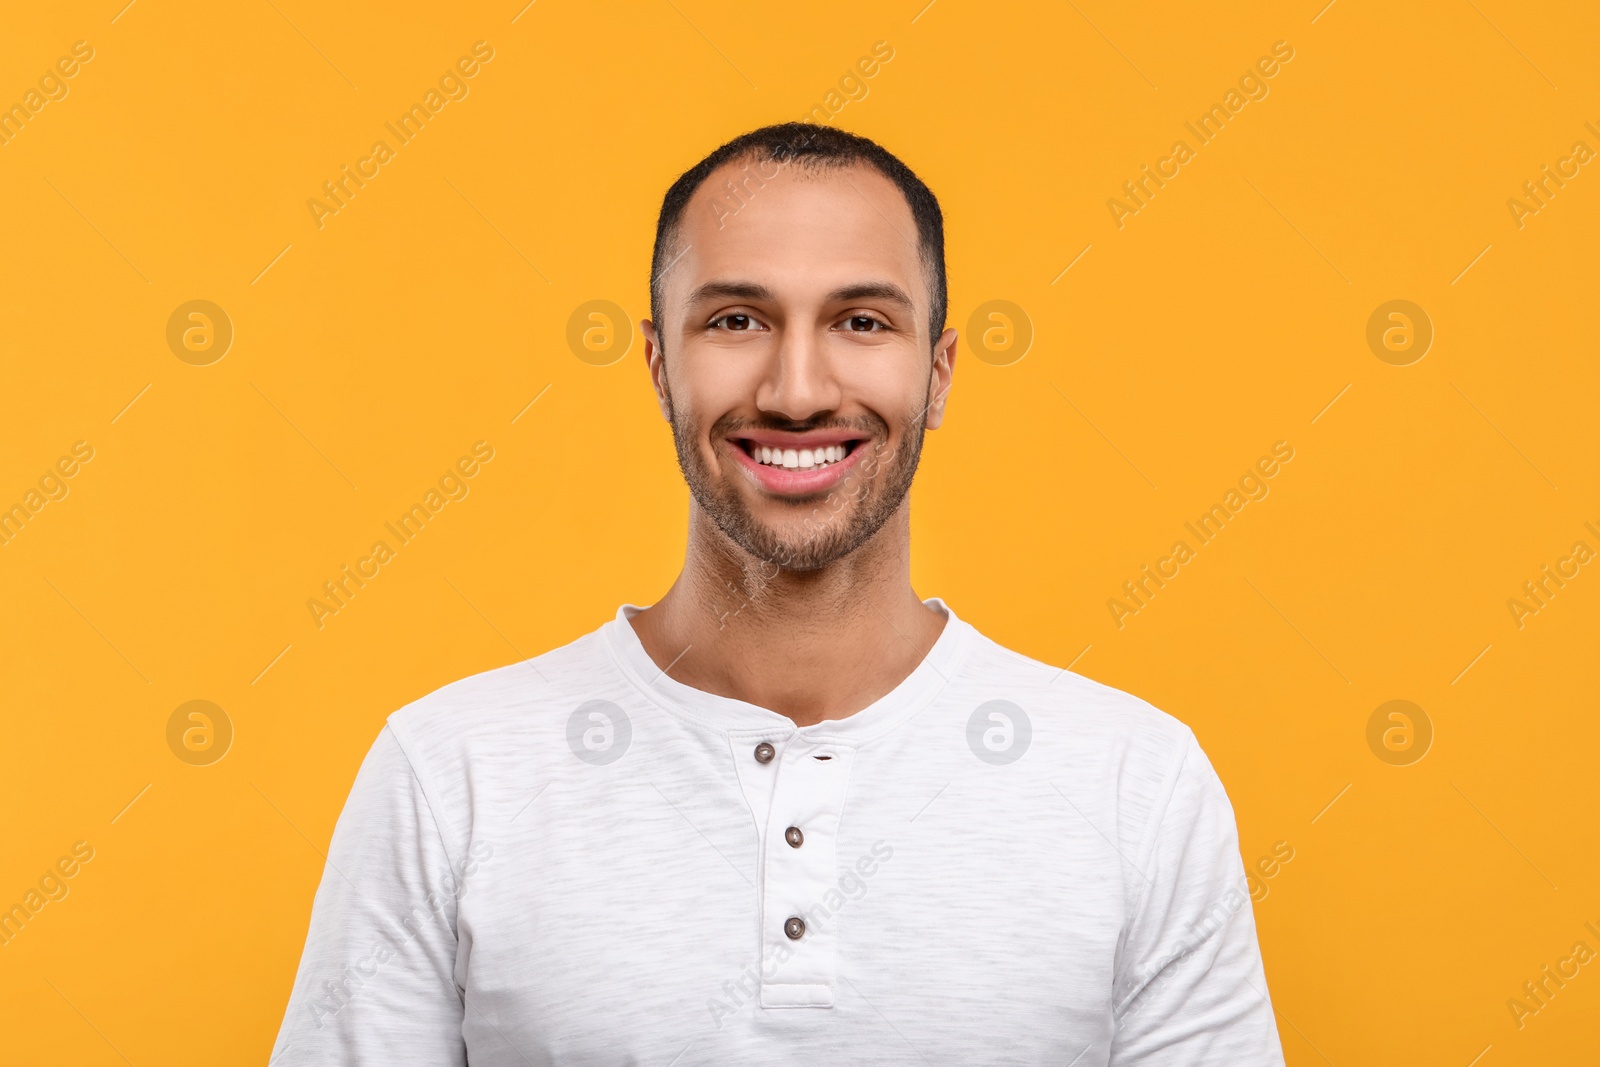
[764, 753]
[794, 836]
[795, 928]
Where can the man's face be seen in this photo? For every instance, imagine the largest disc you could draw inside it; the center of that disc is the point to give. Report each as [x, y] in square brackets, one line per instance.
[794, 360]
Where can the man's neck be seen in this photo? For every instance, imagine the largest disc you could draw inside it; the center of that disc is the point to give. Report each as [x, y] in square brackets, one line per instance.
[814, 645]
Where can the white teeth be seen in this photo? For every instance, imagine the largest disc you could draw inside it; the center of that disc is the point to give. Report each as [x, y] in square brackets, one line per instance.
[798, 459]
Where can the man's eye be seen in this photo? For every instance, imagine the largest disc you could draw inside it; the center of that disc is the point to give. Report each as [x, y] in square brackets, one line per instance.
[864, 324]
[733, 322]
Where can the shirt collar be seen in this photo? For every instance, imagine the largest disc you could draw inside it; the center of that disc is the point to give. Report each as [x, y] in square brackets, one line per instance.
[741, 720]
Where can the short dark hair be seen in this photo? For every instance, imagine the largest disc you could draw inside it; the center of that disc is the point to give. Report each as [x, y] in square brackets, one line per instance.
[812, 146]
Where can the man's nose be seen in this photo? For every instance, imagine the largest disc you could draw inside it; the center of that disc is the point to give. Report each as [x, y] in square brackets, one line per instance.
[800, 383]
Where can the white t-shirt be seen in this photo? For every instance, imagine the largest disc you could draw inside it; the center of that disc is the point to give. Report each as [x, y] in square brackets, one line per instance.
[578, 860]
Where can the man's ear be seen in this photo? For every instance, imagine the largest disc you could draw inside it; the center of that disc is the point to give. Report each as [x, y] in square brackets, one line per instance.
[944, 369]
[655, 359]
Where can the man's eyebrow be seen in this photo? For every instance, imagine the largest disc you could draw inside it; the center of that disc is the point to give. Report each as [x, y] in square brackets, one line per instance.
[752, 291]
[731, 291]
[872, 291]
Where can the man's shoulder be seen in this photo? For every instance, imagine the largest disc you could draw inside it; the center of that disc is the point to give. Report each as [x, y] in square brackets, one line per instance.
[1095, 741]
[1077, 708]
[528, 695]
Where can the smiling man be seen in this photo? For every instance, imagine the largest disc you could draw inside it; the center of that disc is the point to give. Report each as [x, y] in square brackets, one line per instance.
[791, 813]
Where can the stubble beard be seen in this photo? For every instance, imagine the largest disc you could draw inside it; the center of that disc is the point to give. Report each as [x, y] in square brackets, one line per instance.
[832, 524]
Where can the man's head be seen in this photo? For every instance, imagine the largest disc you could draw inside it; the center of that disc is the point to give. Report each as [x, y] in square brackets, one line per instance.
[797, 345]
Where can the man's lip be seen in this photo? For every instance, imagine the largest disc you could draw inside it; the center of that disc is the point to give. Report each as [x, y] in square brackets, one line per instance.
[812, 439]
[784, 481]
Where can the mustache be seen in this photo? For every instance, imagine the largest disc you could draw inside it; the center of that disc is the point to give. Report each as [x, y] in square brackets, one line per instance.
[732, 426]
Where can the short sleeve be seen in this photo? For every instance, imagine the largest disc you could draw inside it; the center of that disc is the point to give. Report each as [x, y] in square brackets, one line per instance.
[1190, 989]
[376, 981]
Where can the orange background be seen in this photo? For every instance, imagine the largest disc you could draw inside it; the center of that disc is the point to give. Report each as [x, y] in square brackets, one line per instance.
[1224, 316]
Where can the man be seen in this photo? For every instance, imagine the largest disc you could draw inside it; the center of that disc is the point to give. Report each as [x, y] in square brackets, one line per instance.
[791, 813]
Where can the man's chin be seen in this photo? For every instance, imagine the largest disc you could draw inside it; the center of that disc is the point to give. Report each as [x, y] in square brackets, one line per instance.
[805, 545]
[790, 549]
[795, 534]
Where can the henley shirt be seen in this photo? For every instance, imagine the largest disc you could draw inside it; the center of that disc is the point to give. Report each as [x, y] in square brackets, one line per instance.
[576, 860]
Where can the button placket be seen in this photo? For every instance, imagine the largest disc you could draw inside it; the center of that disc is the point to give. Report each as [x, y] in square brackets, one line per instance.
[757, 779]
[799, 867]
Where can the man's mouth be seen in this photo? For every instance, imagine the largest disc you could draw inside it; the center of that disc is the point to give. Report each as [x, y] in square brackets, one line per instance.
[803, 459]
[791, 464]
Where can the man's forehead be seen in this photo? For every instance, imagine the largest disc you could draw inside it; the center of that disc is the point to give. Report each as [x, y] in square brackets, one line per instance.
[751, 216]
